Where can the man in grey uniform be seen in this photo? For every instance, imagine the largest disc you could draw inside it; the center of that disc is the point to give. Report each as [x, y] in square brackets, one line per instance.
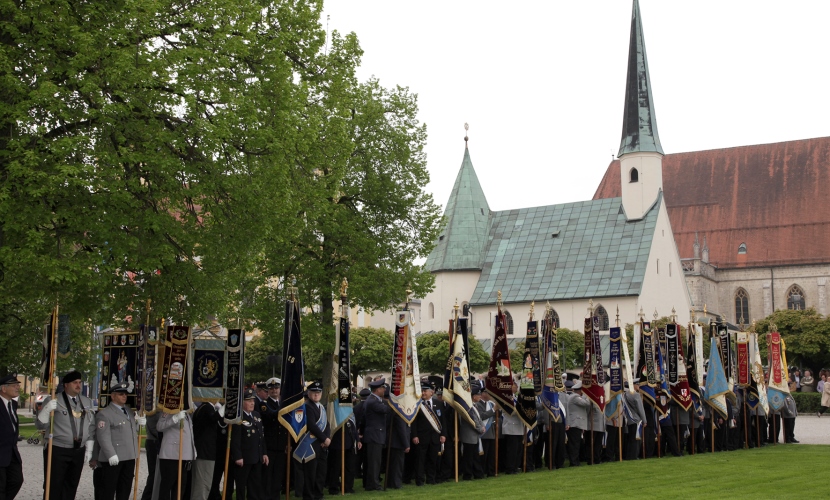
[116, 435]
[577, 408]
[73, 436]
[635, 414]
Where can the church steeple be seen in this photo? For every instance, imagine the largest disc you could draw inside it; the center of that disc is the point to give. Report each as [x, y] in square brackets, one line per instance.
[462, 243]
[641, 155]
[639, 131]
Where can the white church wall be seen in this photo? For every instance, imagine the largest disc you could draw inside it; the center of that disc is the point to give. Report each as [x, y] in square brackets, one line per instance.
[638, 196]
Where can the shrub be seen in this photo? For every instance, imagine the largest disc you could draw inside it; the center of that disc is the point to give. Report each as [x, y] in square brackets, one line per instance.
[807, 402]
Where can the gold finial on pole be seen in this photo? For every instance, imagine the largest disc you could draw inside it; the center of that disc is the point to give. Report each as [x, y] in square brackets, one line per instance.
[499, 302]
[691, 316]
[754, 326]
[590, 308]
[617, 324]
[706, 314]
[642, 314]
[344, 286]
[532, 305]
[455, 309]
[673, 315]
[655, 314]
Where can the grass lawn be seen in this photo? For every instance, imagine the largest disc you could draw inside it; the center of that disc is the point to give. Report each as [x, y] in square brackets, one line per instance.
[771, 472]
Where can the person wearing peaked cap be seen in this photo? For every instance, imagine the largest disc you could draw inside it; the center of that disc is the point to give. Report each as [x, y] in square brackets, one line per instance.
[374, 433]
[116, 434]
[577, 411]
[469, 434]
[364, 393]
[310, 470]
[569, 384]
[248, 451]
[636, 418]
[11, 465]
[73, 435]
[276, 441]
[171, 426]
[427, 435]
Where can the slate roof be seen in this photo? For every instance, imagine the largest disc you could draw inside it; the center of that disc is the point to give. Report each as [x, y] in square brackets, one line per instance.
[639, 131]
[597, 253]
[461, 245]
[773, 197]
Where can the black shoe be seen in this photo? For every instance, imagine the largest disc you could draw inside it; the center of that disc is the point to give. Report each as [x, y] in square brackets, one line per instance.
[795, 441]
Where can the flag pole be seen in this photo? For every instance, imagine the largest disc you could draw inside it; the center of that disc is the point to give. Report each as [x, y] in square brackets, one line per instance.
[711, 411]
[343, 460]
[496, 423]
[688, 342]
[591, 419]
[288, 470]
[140, 404]
[455, 421]
[619, 439]
[227, 459]
[550, 444]
[53, 350]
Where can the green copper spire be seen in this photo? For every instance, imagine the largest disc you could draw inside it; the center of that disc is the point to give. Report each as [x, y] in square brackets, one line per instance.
[639, 131]
[467, 217]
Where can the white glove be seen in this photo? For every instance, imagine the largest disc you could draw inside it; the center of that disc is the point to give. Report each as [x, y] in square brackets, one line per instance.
[48, 408]
[179, 417]
[88, 454]
[114, 460]
[222, 411]
[142, 421]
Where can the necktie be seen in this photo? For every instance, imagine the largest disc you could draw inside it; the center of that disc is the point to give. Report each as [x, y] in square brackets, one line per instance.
[124, 410]
[12, 416]
[74, 402]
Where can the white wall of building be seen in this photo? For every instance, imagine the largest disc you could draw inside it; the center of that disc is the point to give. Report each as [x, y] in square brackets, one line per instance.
[639, 196]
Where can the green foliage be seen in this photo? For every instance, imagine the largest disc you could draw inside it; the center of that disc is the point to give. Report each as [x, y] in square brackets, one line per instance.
[434, 352]
[256, 357]
[806, 334]
[807, 402]
[371, 350]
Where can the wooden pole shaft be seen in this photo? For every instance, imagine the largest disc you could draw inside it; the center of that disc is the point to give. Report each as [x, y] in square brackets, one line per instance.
[746, 431]
[181, 449]
[227, 460]
[496, 457]
[455, 446]
[53, 348]
[550, 444]
[619, 441]
[288, 471]
[343, 460]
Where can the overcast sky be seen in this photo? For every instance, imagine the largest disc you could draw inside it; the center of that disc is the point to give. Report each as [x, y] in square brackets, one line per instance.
[542, 83]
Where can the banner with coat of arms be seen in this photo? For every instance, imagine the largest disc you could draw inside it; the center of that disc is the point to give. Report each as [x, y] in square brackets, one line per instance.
[174, 370]
[119, 363]
[208, 369]
[405, 390]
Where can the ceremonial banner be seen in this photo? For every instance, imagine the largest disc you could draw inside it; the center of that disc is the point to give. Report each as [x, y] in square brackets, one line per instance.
[146, 388]
[63, 347]
[208, 370]
[615, 369]
[526, 399]
[757, 389]
[726, 358]
[778, 388]
[552, 369]
[716, 384]
[693, 359]
[646, 370]
[119, 363]
[499, 381]
[593, 375]
[459, 390]
[627, 361]
[743, 359]
[172, 396]
[614, 407]
[662, 392]
[340, 405]
[235, 376]
[680, 392]
[405, 390]
[292, 402]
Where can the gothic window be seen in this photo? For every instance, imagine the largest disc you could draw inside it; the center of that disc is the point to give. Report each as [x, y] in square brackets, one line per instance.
[509, 320]
[795, 298]
[634, 175]
[431, 310]
[742, 248]
[602, 314]
[741, 307]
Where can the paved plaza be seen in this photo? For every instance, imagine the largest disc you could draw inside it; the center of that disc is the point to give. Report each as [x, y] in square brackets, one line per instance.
[808, 429]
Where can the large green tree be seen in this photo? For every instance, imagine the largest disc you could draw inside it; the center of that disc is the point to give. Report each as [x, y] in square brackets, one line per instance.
[806, 334]
[434, 353]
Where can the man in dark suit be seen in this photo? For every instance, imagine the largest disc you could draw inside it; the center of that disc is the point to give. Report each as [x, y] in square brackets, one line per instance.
[374, 434]
[276, 441]
[248, 451]
[11, 466]
[427, 436]
[310, 456]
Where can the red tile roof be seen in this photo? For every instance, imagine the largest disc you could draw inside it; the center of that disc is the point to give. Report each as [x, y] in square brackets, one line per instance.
[773, 197]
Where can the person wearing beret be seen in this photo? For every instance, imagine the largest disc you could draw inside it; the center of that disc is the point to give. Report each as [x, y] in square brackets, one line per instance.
[116, 434]
[248, 451]
[73, 432]
[11, 465]
[374, 434]
[310, 468]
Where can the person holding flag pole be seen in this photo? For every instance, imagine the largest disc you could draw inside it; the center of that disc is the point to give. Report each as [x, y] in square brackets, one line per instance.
[292, 414]
[552, 388]
[499, 380]
[234, 393]
[340, 407]
[140, 400]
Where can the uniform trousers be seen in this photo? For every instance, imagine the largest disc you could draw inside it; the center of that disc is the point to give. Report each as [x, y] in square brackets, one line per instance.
[311, 475]
[168, 471]
[574, 445]
[427, 462]
[489, 446]
[116, 481]
[273, 475]
[247, 480]
[11, 478]
[372, 472]
[394, 479]
[514, 447]
[67, 465]
[471, 462]
[201, 479]
[151, 447]
[334, 470]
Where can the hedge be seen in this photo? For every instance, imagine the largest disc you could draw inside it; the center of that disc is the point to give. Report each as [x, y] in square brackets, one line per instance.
[807, 402]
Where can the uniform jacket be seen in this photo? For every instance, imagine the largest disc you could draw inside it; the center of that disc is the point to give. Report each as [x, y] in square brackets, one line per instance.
[423, 430]
[401, 433]
[789, 410]
[9, 431]
[467, 433]
[247, 440]
[485, 414]
[207, 426]
[679, 416]
[512, 425]
[577, 409]
[635, 406]
[312, 411]
[598, 418]
[63, 417]
[116, 433]
[169, 446]
[276, 436]
[337, 440]
[374, 427]
[360, 415]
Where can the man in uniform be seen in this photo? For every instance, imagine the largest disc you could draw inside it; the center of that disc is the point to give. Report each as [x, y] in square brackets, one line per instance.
[360, 422]
[11, 466]
[374, 434]
[469, 435]
[513, 431]
[350, 445]
[309, 458]
[427, 436]
[399, 445]
[207, 425]
[488, 439]
[577, 409]
[276, 441]
[248, 451]
[73, 436]
[117, 434]
[635, 415]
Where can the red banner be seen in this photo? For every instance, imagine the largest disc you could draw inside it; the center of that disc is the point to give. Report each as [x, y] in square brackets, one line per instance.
[743, 360]
[775, 357]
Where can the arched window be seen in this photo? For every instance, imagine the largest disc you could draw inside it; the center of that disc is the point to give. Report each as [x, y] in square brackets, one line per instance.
[741, 307]
[633, 175]
[509, 319]
[431, 310]
[795, 298]
[555, 318]
[602, 314]
[742, 248]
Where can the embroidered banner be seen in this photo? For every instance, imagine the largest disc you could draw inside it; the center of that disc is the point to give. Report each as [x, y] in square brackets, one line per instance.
[593, 382]
[208, 370]
[680, 387]
[499, 381]
[743, 359]
[172, 396]
[146, 388]
[615, 368]
[405, 390]
[119, 363]
[552, 383]
[459, 390]
[340, 405]
[234, 376]
[778, 388]
[292, 402]
[716, 384]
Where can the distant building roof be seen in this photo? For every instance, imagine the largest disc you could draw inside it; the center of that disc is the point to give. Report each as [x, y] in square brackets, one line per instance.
[567, 251]
[772, 197]
[467, 215]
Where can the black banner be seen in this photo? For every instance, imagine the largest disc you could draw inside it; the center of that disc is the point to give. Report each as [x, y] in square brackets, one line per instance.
[119, 363]
[235, 376]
